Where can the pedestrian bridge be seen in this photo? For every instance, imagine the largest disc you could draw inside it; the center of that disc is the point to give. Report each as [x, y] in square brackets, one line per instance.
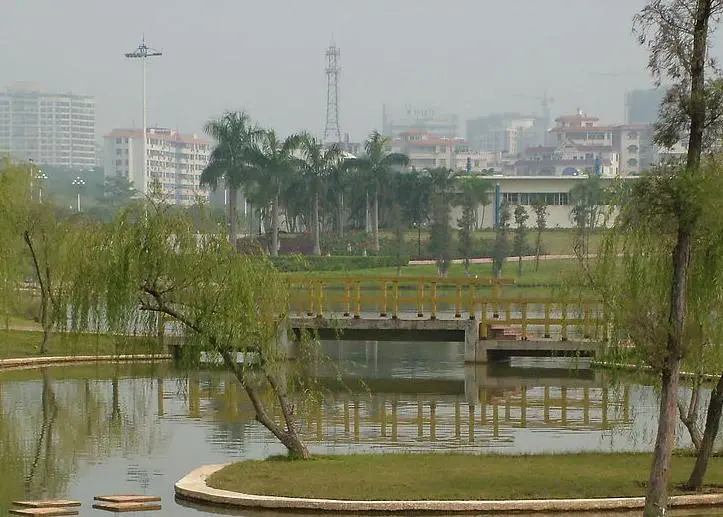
[488, 315]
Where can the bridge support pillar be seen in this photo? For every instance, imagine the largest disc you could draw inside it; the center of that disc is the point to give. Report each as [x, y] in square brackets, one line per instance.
[475, 350]
[288, 346]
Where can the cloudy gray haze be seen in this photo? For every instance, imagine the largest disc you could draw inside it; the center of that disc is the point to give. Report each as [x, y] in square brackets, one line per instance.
[468, 57]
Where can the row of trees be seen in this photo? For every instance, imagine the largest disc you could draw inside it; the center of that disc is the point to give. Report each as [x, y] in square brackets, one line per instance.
[325, 187]
[299, 174]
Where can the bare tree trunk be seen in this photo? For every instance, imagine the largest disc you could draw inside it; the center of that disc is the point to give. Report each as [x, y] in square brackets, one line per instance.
[656, 497]
[315, 225]
[232, 201]
[45, 301]
[375, 222]
[275, 226]
[712, 423]
[689, 417]
[368, 221]
[289, 437]
[340, 215]
[538, 249]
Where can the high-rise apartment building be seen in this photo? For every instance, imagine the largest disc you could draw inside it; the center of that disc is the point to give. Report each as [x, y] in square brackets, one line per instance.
[643, 106]
[175, 160]
[50, 128]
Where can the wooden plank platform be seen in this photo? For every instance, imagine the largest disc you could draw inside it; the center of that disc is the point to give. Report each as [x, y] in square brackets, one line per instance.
[126, 507]
[44, 512]
[48, 503]
[127, 498]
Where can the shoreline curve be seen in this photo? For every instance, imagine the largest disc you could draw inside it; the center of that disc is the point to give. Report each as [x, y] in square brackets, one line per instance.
[40, 361]
[193, 487]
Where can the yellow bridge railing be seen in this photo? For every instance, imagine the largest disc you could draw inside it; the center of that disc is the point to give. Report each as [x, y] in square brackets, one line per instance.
[438, 297]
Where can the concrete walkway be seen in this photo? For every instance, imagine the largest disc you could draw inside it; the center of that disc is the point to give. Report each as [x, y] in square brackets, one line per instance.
[488, 260]
[36, 362]
[194, 488]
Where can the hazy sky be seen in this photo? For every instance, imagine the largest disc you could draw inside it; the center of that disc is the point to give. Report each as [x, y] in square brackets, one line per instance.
[469, 57]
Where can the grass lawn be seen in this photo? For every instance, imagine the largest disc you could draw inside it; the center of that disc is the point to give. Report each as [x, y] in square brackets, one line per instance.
[554, 242]
[550, 271]
[453, 476]
[21, 343]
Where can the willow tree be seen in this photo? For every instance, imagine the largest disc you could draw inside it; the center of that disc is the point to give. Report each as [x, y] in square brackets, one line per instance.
[14, 201]
[634, 270]
[144, 267]
[677, 34]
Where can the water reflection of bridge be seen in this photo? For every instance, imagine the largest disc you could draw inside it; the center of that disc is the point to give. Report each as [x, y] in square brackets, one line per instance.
[409, 411]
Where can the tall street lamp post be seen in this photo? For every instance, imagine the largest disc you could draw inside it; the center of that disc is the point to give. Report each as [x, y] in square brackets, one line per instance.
[143, 52]
[41, 176]
[78, 183]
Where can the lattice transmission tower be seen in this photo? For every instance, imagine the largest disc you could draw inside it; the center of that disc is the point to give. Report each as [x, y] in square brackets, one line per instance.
[332, 129]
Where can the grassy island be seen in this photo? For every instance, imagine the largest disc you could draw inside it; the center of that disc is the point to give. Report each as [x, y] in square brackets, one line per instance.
[455, 476]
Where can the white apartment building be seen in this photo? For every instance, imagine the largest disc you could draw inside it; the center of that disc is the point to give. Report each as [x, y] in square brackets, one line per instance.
[49, 128]
[175, 160]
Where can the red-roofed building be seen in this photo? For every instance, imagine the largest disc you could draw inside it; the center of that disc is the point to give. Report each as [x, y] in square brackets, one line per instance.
[175, 160]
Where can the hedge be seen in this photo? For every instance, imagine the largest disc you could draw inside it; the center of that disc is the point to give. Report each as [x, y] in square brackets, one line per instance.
[293, 263]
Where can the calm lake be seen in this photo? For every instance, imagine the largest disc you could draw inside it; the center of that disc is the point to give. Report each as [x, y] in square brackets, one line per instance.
[80, 431]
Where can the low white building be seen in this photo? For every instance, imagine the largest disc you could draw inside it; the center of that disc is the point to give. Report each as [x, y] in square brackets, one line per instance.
[175, 160]
[528, 190]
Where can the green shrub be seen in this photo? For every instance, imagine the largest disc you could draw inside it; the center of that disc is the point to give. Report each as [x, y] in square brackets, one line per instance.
[294, 263]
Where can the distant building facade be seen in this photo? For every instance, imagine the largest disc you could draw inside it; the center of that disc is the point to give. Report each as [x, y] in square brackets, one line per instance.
[427, 151]
[643, 106]
[415, 119]
[49, 128]
[553, 191]
[577, 145]
[175, 160]
[506, 133]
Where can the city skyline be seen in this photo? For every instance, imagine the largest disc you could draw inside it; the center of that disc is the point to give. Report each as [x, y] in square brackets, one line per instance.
[476, 59]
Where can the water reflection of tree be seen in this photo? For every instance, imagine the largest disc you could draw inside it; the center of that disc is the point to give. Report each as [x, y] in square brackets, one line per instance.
[43, 443]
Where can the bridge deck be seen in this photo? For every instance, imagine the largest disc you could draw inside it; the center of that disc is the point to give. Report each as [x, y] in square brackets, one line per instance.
[483, 340]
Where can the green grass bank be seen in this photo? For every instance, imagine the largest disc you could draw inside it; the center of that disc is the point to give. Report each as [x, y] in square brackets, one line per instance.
[25, 343]
[455, 476]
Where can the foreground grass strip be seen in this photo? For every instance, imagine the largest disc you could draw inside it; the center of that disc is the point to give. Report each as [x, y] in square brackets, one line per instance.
[452, 476]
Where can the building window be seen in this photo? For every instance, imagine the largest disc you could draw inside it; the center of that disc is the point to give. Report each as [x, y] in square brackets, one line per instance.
[632, 162]
[531, 198]
[632, 135]
[633, 149]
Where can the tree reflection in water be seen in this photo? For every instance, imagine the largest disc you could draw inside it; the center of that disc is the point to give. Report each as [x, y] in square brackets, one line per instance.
[51, 426]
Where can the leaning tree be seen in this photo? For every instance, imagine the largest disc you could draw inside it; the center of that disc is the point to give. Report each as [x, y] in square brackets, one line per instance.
[150, 264]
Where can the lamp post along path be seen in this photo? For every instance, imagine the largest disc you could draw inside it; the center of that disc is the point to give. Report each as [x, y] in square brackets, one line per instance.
[143, 52]
[78, 183]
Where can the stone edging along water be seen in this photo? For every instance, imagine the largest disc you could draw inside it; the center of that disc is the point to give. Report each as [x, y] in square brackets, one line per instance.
[36, 362]
[194, 488]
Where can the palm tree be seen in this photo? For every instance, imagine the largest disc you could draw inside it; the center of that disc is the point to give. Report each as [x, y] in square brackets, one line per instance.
[338, 182]
[318, 163]
[276, 163]
[229, 160]
[377, 165]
